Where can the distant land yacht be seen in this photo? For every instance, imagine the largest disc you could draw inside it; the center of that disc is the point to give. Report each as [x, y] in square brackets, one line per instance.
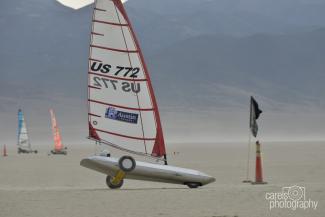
[58, 146]
[23, 142]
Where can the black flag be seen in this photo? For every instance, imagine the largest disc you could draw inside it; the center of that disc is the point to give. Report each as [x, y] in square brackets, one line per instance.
[254, 115]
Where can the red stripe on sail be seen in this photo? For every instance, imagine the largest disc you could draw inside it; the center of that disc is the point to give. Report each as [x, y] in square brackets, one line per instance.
[125, 136]
[110, 23]
[93, 87]
[117, 78]
[114, 49]
[94, 115]
[95, 33]
[123, 107]
[99, 9]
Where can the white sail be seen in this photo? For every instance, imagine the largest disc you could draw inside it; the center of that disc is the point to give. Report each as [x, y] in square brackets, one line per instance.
[23, 140]
[122, 106]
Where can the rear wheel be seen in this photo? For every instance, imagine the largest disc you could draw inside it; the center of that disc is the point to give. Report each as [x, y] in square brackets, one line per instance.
[109, 183]
[126, 163]
[193, 184]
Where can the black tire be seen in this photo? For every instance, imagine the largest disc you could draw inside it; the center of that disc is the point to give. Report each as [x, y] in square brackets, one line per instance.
[193, 184]
[126, 163]
[111, 185]
[35, 151]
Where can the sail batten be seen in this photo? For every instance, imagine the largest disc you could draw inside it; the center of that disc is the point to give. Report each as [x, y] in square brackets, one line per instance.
[114, 49]
[119, 106]
[122, 106]
[110, 23]
[96, 60]
[103, 10]
[125, 136]
[90, 114]
[98, 88]
[112, 77]
[95, 33]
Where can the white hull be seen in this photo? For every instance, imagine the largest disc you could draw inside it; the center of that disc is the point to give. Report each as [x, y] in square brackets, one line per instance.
[148, 171]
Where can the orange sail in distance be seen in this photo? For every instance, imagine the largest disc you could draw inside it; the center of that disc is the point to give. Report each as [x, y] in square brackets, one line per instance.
[58, 147]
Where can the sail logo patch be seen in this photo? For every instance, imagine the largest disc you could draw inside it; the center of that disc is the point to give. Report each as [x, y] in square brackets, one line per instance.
[112, 113]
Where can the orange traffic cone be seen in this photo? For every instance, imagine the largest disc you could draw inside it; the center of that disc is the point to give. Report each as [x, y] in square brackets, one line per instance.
[4, 151]
[258, 168]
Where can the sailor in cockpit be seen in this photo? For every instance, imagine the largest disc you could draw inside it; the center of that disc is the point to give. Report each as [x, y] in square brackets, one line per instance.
[105, 153]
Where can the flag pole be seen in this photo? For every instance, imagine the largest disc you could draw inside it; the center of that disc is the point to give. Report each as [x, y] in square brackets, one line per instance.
[249, 144]
[248, 158]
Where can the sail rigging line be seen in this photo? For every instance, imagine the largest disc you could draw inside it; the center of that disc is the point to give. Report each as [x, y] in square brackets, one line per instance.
[144, 141]
[138, 48]
[127, 150]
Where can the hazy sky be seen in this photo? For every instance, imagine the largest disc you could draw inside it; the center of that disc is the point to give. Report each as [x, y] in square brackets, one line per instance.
[77, 4]
[282, 66]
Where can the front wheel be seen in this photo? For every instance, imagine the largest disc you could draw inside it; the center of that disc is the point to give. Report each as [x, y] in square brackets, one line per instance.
[126, 163]
[109, 183]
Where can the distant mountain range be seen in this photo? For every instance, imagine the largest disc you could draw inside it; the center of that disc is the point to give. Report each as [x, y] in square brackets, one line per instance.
[286, 68]
[207, 56]
[162, 23]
